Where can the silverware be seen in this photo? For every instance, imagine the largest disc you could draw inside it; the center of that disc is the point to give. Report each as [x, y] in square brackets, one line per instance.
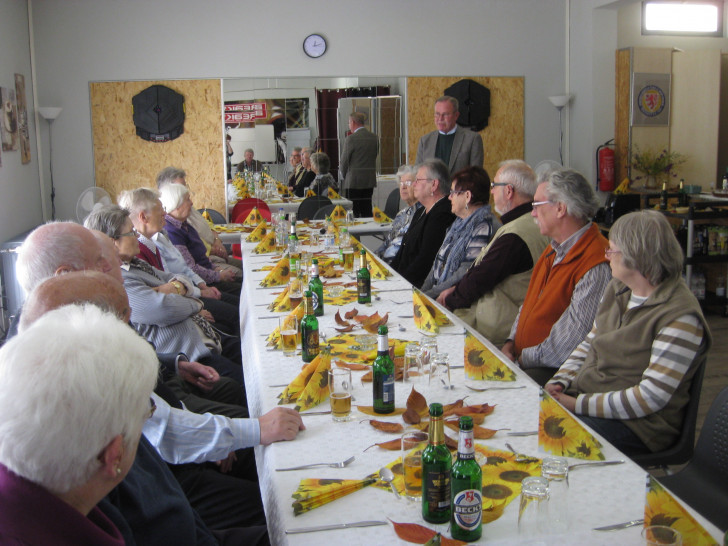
[274, 386]
[340, 464]
[597, 463]
[527, 433]
[303, 414]
[476, 389]
[334, 526]
[618, 526]
[520, 457]
[387, 476]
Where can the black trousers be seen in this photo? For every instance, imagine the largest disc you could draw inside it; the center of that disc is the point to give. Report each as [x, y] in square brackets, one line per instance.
[226, 397]
[362, 200]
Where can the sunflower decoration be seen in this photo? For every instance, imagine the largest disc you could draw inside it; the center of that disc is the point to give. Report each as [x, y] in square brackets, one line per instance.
[427, 316]
[281, 303]
[279, 275]
[253, 218]
[258, 233]
[206, 216]
[274, 338]
[379, 216]
[376, 269]
[560, 434]
[398, 482]
[339, 213]
[267, 244]
[310, 193]
[333, 194]
[661, 508]
[312, 493]
[482, 364]
[317, 387]
[347, 347]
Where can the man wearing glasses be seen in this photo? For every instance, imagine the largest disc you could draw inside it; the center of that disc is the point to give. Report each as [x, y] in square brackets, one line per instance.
[490, 293]
[297, 168]
[456, 147]
[568, 280]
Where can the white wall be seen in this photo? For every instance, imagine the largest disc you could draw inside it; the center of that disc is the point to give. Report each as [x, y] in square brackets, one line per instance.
[19, 189]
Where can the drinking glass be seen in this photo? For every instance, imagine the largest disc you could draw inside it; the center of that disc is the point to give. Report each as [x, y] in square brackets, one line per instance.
[533, 511]
[660, 535]
[340, 388]
[413, 372]
[289, 332]
[428, 348]
[295, 291]
[556, 471]
[413, 444]
[348, 253]
[440, 370]
[349, 218]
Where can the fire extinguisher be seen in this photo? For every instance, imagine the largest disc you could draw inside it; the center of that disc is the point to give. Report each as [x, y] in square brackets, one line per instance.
[605, 166]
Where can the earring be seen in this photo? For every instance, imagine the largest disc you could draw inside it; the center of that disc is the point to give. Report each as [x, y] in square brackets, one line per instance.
[118, 471]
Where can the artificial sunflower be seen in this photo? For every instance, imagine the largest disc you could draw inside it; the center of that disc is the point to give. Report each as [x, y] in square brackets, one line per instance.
[482, 364]
[560, 434]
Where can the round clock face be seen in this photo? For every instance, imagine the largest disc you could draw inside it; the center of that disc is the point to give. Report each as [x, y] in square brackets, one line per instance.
[314, 45]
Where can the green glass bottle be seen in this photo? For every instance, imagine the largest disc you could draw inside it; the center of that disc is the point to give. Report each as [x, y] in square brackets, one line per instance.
[363, 280]
[467, 486]
[682, 196]
[436, 471]
[309, 330]
[383, 375]
[663, 197]
[317, 289]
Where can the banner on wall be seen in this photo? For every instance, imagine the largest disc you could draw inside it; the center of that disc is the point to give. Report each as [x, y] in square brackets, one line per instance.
[650, 100]
[245, 112]
[9, 124]
[23, 133]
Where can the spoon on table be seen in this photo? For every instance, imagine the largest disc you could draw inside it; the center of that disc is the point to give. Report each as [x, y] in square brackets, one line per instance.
[478, 389]
[387, 476]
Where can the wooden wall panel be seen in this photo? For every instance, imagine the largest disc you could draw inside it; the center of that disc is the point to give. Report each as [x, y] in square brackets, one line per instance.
[122, 160]
[503, 138]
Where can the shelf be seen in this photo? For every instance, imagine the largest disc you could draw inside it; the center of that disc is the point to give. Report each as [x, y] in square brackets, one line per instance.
[706, 259]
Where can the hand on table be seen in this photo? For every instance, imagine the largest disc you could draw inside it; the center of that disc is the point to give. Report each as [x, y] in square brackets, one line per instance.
[509, 349]
[279, 424]
[553, 389]
[205, 314]
[209, 291]
[198, 374]
[444, 294]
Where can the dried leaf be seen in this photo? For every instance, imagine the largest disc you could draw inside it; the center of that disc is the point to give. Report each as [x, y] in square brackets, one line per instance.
[352, 366]
[479, 433]
[351, 314]
[411, 417]
[417, 403]
[484, 409]
[424, 427]
[369, 410]
[451, 443]
[398, 373]
[368, 319]
[345, 329]
[449, 408]
[384, 426]
[367, 377]
[340, 320]
[478, 418]
[419, 534]
[391, 445]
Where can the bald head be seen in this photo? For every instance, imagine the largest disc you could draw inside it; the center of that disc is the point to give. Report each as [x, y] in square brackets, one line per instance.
[56, 248]
[76, 287]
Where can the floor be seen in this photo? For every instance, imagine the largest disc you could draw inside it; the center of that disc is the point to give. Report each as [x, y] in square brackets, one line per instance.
[716, 372]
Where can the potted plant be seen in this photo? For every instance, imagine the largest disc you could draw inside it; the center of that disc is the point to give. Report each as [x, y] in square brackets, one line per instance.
[655, 167]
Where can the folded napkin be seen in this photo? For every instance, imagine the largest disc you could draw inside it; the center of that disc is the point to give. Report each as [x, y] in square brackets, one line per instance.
[347, 296]
[281, 303]
[312, 493]
[268, 244]
[274, 338]
[339, 213]
[333, 194]
[279, 275]
[310, 193]
[376, 269]
[661, 508]
[311, 386]
[254, 218]
[206, 216]
[428, 317]
[347, 347]
[379, 216]
[561, 434]
[258, 233]
[481, 363]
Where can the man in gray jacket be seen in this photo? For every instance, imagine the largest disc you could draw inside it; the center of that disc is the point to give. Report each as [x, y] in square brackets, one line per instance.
[359, 165]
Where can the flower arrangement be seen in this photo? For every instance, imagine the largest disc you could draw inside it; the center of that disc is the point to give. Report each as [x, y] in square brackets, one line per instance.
[652, 164]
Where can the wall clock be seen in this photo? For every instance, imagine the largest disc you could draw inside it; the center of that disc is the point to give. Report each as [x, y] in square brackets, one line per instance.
[314, 46]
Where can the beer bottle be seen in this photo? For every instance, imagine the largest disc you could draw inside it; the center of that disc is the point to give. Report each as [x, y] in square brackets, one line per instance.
[383, 375]
[293, 245]
[682, 196]
[467, 485]
[317, 289]
[663, 197]
[309, 330]
[363, 280]
[436, 469]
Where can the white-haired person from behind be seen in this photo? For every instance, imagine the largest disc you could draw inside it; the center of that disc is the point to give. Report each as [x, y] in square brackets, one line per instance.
[71, 424]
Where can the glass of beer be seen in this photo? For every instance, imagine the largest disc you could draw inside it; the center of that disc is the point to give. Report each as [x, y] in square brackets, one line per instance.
[289, 333]
[340, 388]
[413, 444]
[295, 291]
[348, 253]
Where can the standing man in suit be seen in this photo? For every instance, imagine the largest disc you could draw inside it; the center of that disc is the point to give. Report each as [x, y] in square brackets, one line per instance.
[456, 147]
[358, 165]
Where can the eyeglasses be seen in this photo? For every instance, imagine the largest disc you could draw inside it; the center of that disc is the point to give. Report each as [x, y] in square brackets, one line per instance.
[608, 253]
[494, 185]
[539, 203]
[405, 183]
[152, 408]
[445, 115]
[423, 180]
[132, 233]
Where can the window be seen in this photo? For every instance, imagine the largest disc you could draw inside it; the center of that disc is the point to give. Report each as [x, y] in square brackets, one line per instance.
[682, 18]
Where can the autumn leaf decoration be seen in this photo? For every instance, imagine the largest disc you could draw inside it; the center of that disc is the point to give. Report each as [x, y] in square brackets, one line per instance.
[560, 434]
[379, 216]
[428, 317]
[481, 363]
[419, 534]
[267, 244]
[279, 275]
[258, 233]
[253, 218]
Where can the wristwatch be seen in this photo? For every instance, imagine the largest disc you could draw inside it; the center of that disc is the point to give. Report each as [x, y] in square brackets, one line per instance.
[178, 286]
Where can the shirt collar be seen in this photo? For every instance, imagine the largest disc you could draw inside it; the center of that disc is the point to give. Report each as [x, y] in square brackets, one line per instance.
[449, 132]
[563, 248]
[148, 243]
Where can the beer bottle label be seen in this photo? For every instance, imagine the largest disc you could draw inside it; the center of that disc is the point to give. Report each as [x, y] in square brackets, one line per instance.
[388, 389]
[314, 300]
[466, 450]
[312, 342]
[362, 287]
[467, 509]
[437, 487]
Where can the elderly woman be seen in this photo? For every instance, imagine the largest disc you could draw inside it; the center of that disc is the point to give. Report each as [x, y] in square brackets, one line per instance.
[71, 437]
[401, 223]
[304, 181]
[429, 224]
[471, 231]
[320, 164]
[629, 378]
[177, 203]
[162, 309]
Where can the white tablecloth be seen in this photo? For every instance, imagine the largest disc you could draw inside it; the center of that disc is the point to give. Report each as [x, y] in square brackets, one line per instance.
[362, 227]
[598, 496]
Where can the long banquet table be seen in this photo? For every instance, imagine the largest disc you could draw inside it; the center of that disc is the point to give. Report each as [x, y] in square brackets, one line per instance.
[597, 496]
[361, 227]
[291, 205]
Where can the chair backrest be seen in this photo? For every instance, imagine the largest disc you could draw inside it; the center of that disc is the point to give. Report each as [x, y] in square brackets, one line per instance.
[711, 451]
[310, 205]
[323, 212]
[217, 218]
[682, 450]
[391, 208]
[243, 207]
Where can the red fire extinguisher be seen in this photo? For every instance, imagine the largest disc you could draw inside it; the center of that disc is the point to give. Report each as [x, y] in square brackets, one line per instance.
[605, 166]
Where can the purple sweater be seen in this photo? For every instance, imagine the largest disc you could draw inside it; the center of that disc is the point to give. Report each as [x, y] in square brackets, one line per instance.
[188, 242]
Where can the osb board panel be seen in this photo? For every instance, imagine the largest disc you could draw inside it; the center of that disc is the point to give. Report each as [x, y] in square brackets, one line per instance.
[503, 138]
[124, 161]
[621, 118]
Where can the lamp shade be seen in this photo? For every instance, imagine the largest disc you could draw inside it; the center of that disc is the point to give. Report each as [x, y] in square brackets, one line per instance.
[49, 112]
[559, 101]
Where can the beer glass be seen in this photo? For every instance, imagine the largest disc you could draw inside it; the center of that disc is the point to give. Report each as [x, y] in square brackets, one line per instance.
[440, 370]
[348, 253]
[295, 291]
[340, 388]
[533, 511]
[289, 333]
[556, 471]
[413, 444]
[428, 348]
[413, 372]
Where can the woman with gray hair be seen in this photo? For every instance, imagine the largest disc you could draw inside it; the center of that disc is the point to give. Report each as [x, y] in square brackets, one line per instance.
[630, 378]
[69, 439]
[320, 164]
[401, 223]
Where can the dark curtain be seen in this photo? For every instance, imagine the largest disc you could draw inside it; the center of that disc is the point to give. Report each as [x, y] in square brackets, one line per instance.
[327, 101]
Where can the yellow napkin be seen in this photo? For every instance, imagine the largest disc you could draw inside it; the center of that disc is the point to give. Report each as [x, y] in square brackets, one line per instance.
[427, 316]
[347, 347]
[268, 244]
[254, 218]
[333, 194]
[347, 296]
[311, 386]
[661, 508]
[379, 216]
[561, 434]
[339, 213]
[274, 338]
[206, 216]
[310, 193]
[258, 233]
[481, 363]
[312, 493]
[279, 275]
[281, 303]
[376, 269]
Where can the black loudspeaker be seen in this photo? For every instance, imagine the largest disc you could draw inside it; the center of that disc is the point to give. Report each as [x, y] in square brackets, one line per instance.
[474, 103]
[159, 114]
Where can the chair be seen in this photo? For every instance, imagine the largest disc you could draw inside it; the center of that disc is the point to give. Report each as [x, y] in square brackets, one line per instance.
[243, 207]
[217, 218]
[310, 205]
[703, 483]
[323, 212]
[681, 451]
[391, 207]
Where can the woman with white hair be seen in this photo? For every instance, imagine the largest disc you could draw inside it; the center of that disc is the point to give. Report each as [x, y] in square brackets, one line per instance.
[630, 378]
[320, 164]
[393, 240]
[68, 439]
[177, 203]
